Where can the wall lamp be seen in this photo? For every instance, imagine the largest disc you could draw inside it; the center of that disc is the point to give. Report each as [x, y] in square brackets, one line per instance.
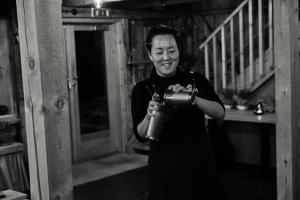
[97, 10]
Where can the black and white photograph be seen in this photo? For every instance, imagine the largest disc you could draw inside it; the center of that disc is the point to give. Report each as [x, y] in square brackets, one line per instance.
[149, 100]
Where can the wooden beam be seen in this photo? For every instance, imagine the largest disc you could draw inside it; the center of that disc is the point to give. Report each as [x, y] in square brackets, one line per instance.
[133, 4]
[287, 81]
[46, 98]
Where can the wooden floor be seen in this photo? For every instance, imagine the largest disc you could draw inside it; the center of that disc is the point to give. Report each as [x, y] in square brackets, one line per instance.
[98, 169]
[241, 182]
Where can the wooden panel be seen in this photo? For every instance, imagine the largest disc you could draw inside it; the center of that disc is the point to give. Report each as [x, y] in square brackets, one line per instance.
[287, 81]
[45, 94]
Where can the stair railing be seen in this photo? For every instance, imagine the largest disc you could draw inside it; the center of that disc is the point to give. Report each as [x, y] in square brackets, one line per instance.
[234, 19]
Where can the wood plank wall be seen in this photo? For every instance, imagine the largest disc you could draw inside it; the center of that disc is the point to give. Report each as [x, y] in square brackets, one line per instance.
[287, 81]
[46, 98]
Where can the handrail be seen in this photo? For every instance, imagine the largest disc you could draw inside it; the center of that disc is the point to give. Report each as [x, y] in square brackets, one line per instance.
[224, 23]
[248, 78]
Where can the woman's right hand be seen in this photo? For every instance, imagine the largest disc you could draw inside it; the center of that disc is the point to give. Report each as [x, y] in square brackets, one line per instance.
[143, 125]
[152, 106]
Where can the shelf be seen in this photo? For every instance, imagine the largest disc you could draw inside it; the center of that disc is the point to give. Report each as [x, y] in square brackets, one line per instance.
[8, 121]
[11, 148]
[248, 116]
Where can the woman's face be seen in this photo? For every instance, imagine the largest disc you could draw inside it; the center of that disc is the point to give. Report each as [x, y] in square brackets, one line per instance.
[164, 55]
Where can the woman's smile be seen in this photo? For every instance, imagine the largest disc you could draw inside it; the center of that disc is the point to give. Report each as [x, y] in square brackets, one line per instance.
[164, 55]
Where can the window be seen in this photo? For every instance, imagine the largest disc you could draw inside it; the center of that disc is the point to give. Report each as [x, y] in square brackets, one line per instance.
[7, 100]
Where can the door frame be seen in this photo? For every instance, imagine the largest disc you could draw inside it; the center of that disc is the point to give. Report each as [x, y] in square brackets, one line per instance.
[116, 70]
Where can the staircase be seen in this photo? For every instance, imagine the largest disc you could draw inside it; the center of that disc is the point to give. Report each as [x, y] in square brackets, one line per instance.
[239, 53]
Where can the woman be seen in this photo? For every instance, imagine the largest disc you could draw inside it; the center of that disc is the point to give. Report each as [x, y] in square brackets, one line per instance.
[181, 163]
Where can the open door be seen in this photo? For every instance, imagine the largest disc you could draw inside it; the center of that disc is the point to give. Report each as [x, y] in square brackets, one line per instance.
[93, 61]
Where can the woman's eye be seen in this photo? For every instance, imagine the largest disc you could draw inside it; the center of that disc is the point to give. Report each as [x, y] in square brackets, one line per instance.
[172, 51]
[159, 53]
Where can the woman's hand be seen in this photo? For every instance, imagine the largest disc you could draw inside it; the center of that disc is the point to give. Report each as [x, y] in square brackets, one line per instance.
[178, 88]
[143, 126]
[152, 106]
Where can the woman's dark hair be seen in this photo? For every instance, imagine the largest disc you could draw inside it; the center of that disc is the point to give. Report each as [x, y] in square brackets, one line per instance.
[160, 29]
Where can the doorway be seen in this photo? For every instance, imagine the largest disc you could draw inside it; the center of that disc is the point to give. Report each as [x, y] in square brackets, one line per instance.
[94, 59]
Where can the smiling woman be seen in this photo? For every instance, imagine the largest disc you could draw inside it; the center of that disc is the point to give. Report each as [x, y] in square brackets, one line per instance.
[174, 170]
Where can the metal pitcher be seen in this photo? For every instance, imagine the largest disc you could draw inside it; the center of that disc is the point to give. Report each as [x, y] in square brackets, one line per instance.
[156, 123]
[180, 98]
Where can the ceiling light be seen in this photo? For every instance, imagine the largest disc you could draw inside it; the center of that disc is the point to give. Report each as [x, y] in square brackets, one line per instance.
[98, 3]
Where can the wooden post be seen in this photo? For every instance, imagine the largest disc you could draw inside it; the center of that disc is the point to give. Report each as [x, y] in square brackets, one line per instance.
[287, 81]
[46, 98]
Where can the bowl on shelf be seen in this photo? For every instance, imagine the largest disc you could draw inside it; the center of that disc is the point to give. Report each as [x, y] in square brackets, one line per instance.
[242, 107]
[228, 106]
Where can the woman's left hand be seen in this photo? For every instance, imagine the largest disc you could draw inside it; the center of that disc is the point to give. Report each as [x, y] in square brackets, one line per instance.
[178, 88]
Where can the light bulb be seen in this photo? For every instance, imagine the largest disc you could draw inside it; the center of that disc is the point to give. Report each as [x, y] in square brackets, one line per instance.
[98, 3]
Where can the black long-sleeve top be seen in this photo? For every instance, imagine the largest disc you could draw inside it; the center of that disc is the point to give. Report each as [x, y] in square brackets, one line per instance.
[184, 141]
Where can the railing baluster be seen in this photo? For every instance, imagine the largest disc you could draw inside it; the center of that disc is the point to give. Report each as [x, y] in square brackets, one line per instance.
[232, 54]
[270, 12]
[215, 64]
[206, 62]
[260, 37]
[242, 64]
[251, 58]
[221, 78]
[223, 58]
[225, 22]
